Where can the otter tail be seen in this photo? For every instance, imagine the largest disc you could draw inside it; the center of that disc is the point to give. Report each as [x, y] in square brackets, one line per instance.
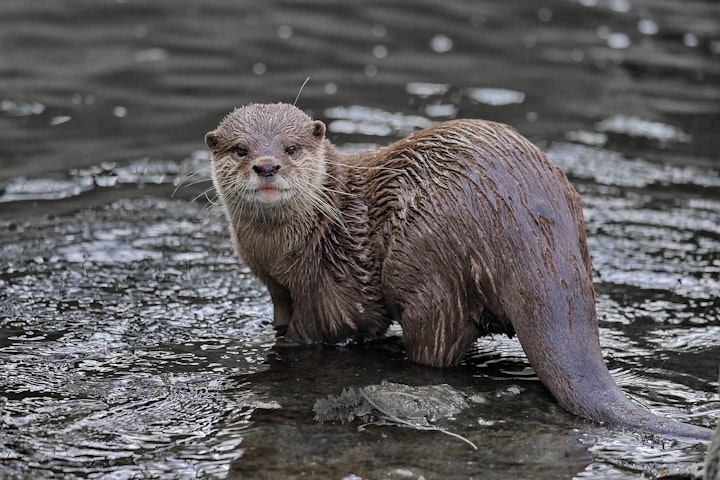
[555, 319]
[614, 407]
[590, 392]
[562, 344]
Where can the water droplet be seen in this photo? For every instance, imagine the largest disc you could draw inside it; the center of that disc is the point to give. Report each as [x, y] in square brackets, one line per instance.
[284, 32]
[618, 41]
[441, 43]
[120, 111]
[621, 6]
[379, 30]
[371, 70]
[647, 27]
[331, 88]
[259, 68]
[545, 14]
[691, 40]
[380, 51]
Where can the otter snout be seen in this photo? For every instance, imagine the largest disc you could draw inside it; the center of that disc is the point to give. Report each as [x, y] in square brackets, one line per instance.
[266, 169]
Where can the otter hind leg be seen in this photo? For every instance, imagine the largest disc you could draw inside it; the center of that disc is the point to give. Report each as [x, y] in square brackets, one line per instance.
[434, 337]
[434, 316]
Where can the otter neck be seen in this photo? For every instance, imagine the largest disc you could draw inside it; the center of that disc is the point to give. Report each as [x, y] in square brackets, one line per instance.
[264, 238]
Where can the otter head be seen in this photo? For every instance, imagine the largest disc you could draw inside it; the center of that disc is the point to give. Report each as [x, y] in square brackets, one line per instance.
[266, 156]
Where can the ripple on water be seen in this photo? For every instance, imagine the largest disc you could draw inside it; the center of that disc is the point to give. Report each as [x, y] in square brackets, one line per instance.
[638, 127]
[358, 119]
[606, 167]
[644, 238]
[109, 174]
[625, 456]
[123, 362]
[113, 313]
[131, 424]
[125, 368]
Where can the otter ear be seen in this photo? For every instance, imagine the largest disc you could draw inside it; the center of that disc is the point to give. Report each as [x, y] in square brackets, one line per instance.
[211, 139]
[318, 129]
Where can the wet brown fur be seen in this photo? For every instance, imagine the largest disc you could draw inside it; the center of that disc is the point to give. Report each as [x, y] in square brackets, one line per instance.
[458, 231]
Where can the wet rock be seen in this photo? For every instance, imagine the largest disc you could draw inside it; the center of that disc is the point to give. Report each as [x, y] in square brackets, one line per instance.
[419, 406]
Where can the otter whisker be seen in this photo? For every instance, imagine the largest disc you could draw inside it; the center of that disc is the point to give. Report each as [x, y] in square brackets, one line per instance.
[188, 176]
[338, 183]
[196, 182]
[205, 193]
[301, 89]
[325, 205]
[338, 192]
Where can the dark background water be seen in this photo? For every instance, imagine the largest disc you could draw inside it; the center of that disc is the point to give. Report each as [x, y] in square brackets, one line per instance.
[132, 345]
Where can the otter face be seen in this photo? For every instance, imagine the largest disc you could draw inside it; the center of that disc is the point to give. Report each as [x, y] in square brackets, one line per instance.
[266, 155]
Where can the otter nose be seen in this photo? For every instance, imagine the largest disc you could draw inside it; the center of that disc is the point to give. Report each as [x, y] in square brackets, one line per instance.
[266, 169]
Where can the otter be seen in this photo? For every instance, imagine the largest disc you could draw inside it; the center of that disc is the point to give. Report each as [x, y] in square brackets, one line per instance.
[459, 230]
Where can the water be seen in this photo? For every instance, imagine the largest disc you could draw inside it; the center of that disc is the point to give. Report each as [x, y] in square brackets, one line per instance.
[133, 345]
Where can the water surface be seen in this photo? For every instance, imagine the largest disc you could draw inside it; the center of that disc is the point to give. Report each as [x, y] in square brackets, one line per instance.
[132, 343]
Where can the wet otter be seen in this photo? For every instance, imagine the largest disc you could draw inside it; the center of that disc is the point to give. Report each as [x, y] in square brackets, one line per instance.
[460, 230]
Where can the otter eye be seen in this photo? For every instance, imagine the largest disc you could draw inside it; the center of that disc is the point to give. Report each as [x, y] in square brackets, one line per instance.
[291, 149]
[239, 152]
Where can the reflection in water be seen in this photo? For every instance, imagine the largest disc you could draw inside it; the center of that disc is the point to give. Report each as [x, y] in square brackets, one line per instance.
[133, 346]
[21, 108]
[637, 127]
[369, 121]
[496, 96]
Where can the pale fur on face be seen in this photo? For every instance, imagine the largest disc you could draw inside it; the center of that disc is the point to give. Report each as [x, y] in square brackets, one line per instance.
[264, 132]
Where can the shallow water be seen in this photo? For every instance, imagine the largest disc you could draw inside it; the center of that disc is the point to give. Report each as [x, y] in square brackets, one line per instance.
[132, 344]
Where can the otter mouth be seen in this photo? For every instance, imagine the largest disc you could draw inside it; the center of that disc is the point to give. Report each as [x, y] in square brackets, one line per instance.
[268, 190]
[269, 193]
